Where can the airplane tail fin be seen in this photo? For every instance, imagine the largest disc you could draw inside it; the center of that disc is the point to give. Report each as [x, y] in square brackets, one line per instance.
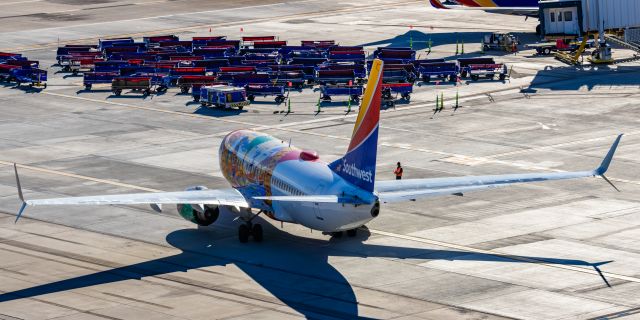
[358, 165]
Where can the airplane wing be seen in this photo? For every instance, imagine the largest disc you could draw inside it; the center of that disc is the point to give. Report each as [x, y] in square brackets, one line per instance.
[412, 189]
[223, 197]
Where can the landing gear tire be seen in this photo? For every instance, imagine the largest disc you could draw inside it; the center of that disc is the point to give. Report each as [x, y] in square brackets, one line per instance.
[256, 232]
[352, 233]
[243, 233]
[337, 234]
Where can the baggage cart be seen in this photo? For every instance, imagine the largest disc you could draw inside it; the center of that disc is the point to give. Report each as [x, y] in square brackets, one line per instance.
[390, 92]
[242, 79]
[91, 78]
[187, 82]
[295, 79]
[264, 90]
[353, 92]
[441, 70]
[463, 64]
[32, 76]
[335, 76]
[489, 71]
[144, 84]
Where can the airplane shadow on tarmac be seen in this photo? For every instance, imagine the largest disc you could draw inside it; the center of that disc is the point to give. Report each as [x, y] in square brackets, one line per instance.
[294, 270]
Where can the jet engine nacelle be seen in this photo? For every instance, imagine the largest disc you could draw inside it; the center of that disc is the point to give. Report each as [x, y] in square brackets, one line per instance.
[202, 215]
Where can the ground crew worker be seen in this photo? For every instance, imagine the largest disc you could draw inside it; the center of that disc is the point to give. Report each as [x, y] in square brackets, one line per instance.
[398, 172]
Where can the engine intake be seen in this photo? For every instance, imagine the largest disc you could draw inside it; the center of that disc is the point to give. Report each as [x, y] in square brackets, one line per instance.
[199, 214]
[375, 210]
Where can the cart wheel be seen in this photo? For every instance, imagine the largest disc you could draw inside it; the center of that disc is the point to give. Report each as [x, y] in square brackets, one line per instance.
[45, 86]
[546, 51]
[196, 99]
[426, 78]
[503, 76]
[463, 74]
[355, 99]
[252, 97]
[118, 92]
[240, 107]
[406, 97]
[184, 90]
[279, 99]
[475, 77]
[86, 87]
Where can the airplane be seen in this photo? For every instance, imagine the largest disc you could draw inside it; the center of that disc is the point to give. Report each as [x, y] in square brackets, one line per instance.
[515, 7]
[293, 185]
[527, 8]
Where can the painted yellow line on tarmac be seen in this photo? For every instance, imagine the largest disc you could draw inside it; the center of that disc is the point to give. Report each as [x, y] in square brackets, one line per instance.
[132, 106]
[588, 270]
[77, 176]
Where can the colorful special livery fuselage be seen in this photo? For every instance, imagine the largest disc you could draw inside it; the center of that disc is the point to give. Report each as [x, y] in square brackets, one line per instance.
[269, 176]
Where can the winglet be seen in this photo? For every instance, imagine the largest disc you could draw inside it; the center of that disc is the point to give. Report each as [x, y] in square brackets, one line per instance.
[20, 195]
[604, 166]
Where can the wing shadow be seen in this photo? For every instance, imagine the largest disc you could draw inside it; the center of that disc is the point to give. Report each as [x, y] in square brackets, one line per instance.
[294, 270]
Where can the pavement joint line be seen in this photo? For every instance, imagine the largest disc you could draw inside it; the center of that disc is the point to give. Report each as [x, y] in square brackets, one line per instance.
[504, 255]
[554, 146]
[192, 27]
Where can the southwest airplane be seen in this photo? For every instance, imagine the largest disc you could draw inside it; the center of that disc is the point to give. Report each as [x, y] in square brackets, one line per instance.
[293, 185]
[515, 7]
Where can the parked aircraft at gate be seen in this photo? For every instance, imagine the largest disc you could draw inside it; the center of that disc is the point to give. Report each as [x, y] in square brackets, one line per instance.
[514, 7]
[293, 185]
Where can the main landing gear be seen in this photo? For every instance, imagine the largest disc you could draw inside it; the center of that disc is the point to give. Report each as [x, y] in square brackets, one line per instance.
[350, 233]
[248, 229]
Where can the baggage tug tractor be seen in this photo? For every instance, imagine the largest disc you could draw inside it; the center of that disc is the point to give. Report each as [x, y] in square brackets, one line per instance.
[223, 96]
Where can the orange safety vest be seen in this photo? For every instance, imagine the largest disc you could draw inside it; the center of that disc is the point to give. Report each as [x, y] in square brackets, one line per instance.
[398, 172]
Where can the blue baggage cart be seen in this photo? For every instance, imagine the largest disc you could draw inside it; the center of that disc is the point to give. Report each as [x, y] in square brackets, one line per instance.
[261, 89]
[32, 76]
[390, 92]
[91, 78]
[353, 92]
[442, 70]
